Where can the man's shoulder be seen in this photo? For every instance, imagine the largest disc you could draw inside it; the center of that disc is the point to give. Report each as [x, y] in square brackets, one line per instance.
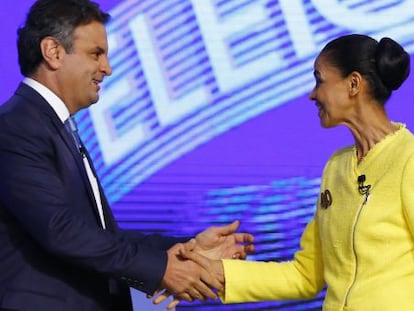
[20, 112]
[18, 98]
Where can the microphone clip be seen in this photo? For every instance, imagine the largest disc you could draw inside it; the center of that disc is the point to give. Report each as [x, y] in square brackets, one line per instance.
[362, 188]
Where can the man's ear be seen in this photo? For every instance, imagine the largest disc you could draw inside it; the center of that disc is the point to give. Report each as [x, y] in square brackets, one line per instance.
[355, 83]
[52, 52]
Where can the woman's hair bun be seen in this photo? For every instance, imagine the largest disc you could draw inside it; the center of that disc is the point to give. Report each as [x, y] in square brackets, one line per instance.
[392, 62]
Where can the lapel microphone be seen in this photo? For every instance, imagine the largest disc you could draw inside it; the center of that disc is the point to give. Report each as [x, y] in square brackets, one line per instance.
[362, 188]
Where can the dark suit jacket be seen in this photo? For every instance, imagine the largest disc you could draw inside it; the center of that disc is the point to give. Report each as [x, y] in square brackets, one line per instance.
[54, 255]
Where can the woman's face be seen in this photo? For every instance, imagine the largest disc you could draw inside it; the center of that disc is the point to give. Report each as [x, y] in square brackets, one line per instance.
[330, 94]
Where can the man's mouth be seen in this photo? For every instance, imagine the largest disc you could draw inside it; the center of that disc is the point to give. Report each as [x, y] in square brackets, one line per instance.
[97, 83]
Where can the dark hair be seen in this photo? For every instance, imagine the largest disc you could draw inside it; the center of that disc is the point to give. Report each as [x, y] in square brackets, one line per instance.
[384, 64]
[56, 18]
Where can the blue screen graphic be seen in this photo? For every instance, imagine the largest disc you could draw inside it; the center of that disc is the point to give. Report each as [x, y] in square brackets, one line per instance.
[206, 117]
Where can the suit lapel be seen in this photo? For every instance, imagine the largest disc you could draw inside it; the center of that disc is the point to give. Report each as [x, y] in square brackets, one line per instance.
[35, 98]
[108, 216]
[77, 157]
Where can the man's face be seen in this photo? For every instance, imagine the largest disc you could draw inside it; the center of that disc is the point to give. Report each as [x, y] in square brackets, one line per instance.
[84, 68]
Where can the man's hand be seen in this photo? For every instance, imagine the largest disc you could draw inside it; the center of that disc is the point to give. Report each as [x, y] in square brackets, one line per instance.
[214, 266]
[186, 279]
[223, 242]
[215, 243]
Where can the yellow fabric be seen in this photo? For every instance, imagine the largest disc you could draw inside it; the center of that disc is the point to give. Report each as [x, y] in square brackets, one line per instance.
[363, 252]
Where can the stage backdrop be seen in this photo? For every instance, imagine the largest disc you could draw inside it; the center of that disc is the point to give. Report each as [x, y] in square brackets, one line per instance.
[206, 118]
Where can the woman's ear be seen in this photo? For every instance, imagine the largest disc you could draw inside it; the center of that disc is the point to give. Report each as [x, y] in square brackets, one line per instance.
[355, 83]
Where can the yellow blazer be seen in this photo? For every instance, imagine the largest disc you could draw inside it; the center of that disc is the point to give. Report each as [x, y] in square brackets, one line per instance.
[360, 245]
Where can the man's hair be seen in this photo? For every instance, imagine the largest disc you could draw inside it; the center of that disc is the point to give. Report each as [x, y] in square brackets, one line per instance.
[55, 18]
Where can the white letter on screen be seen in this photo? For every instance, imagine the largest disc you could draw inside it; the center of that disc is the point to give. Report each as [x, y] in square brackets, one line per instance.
[298, 26]
[340, 15]
[215, 34]
[168, 111]
[113, 148]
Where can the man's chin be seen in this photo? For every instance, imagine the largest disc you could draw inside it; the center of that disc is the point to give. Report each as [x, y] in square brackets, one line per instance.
[94, 100]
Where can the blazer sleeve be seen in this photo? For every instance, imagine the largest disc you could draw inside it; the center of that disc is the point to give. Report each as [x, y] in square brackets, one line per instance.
[157, 241]
[250, 281]
[32, 190]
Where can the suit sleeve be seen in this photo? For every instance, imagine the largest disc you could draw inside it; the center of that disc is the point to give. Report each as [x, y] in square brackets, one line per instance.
[33, 192]
[157, 241]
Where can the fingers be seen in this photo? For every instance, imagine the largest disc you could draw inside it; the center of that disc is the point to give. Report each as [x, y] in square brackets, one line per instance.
[185, 296]
[154, 294]
[239, 251]
[188, 246]
[165, 295]
[235, 251]
[206, 276]
[203, 289]
[236, 256]
[187, 279]
[161, 298]
[191, 295]
[249, 248]
[194, 293]
[227, 229]
[243, 238]
[211, 274]
[197, 258]
[173, 304]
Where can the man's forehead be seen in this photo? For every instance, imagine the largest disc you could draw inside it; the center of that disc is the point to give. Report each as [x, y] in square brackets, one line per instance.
[93, 34]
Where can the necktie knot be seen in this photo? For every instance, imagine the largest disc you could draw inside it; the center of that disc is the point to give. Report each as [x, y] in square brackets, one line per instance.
[71, 124]
[72, 128]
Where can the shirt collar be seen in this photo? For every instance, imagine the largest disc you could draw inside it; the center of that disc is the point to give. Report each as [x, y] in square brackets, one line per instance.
[51, 98]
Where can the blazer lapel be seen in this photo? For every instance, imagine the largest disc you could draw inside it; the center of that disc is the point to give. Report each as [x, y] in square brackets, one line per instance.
[66, 137]
[108, 216]
[77, 157]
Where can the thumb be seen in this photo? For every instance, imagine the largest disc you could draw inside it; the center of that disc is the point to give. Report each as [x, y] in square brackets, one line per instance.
[228, 229]
[189, 245]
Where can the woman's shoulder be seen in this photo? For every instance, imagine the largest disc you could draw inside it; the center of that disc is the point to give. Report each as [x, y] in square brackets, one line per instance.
[343, 152]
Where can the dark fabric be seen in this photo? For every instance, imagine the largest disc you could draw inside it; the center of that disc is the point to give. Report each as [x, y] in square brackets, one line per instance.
[54, 255]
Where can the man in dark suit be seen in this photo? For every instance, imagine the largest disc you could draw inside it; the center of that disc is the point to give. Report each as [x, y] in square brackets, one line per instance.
[60, 247]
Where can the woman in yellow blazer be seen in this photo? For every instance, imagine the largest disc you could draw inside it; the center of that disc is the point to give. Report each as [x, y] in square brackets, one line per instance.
[360, 242]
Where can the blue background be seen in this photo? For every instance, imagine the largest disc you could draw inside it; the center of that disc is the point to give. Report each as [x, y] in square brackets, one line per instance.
[206, 118]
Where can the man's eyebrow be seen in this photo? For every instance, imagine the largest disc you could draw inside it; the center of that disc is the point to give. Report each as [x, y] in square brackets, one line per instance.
[99, 50]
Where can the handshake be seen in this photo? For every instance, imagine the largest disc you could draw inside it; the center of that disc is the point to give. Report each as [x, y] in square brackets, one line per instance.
[194, 268]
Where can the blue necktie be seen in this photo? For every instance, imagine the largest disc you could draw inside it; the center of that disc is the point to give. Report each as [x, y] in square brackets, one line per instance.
[72, 128]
